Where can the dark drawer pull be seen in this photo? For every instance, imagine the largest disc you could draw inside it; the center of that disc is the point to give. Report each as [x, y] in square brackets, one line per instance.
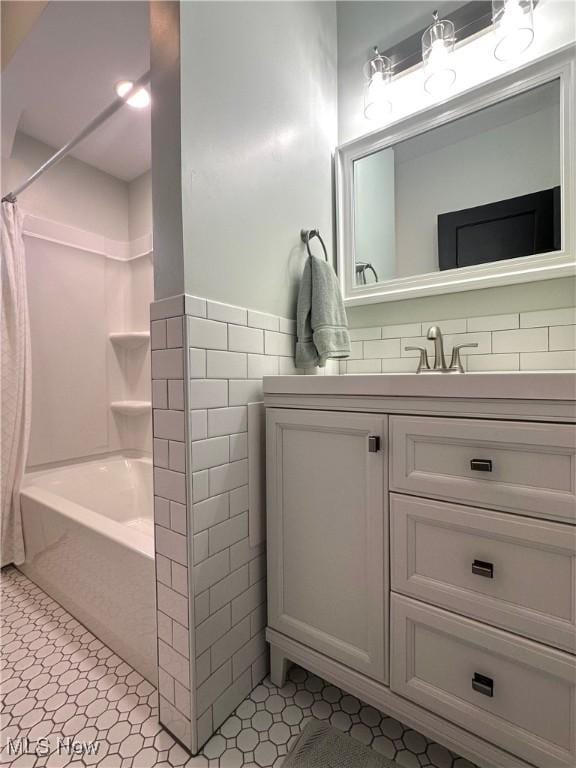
[374, 443]
[482, 568]
[481, 465]
[482, 684]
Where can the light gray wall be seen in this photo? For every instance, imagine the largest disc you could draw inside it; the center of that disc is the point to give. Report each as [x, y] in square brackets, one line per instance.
[258, 128]
[544, 294]
[71, 192]
[79, 195]
[166, 158]
[140, 206]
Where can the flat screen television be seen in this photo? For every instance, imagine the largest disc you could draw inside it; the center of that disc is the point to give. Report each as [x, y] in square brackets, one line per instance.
[508, 229]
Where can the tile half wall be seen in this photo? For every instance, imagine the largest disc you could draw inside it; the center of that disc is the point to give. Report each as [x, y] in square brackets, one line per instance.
[208, 360]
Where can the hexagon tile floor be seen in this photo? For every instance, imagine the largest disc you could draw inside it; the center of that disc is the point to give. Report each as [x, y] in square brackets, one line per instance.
[59, 682]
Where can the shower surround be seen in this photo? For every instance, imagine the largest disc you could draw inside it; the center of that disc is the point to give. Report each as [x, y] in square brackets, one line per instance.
[208, 360]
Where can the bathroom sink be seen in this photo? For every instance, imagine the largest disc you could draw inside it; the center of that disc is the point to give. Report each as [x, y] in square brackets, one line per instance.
[516, 385]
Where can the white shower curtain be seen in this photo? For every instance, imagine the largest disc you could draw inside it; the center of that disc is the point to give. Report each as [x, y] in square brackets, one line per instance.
[15, 381]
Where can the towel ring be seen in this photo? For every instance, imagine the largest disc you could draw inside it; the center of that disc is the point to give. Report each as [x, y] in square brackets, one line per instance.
[308, 234]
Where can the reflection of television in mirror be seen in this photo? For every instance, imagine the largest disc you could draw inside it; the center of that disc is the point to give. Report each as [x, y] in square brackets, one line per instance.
[520, 226]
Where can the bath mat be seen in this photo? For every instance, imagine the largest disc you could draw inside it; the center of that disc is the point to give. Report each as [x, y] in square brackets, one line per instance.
[321, 746]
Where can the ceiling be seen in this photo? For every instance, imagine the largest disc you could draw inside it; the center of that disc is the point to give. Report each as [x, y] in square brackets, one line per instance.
[64, 73]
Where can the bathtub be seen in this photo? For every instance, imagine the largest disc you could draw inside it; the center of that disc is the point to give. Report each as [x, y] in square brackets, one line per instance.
[89, 536]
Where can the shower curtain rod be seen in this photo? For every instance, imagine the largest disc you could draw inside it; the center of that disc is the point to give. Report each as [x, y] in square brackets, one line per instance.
[101, 118]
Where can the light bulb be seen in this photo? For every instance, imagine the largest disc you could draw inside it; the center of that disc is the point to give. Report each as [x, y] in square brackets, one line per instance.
[377, 104]
[441, 76]
[437, 49]
[438, 55]
[514, 27]
[140, 99]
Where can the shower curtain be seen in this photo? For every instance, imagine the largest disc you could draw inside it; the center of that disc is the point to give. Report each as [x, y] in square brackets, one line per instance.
[15, 381]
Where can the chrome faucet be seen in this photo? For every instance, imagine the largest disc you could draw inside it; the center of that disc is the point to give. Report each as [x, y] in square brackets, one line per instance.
[435, 334]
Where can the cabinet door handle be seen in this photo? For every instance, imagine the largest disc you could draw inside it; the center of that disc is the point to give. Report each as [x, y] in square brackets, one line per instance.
[482, 684]
[481, 465]
[482, 568]
[374, 443]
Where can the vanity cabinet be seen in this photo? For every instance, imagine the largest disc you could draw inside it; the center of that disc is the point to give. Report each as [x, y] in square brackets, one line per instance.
[469, 503]
[328, 535]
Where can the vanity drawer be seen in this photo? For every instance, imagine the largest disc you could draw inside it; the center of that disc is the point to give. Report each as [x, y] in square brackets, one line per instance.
[513, 692]
[507, 465]
[515, 572]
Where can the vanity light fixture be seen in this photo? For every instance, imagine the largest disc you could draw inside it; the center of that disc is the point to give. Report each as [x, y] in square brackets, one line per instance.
[139, 100]
[437, 49]
[377, 103]
[514, 26]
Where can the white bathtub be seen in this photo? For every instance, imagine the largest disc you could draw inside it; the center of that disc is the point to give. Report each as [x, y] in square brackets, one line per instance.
[89, 536]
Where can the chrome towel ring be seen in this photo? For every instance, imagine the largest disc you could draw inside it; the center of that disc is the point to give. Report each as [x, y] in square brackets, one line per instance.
[308, 234]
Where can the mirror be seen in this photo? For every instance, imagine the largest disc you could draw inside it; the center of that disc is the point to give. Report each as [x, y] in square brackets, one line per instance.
[480, 189]
[471, 193]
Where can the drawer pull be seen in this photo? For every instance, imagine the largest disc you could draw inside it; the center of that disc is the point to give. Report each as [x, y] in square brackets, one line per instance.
[482, 568]
[481, 465]
[373, 443]
[482, 684]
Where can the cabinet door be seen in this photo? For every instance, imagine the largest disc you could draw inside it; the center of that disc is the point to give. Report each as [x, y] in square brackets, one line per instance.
[327, 523]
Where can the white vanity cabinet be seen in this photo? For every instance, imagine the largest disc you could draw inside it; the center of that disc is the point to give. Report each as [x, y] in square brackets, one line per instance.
[464, 491]
[328, 536]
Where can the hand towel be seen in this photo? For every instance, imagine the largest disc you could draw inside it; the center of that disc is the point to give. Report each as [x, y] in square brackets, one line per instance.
[321, 324]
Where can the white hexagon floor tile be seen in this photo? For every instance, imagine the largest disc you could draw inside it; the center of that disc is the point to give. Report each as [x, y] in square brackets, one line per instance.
[61, 686]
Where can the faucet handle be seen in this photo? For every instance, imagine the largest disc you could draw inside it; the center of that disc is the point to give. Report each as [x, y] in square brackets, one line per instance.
[423, 363]
[456, 362]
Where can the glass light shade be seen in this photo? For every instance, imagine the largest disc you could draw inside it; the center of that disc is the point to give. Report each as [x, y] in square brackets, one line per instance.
[514, 27]
[377, 103]
[437, 49]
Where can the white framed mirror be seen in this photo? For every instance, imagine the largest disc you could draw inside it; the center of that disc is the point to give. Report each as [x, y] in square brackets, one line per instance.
[475, 192]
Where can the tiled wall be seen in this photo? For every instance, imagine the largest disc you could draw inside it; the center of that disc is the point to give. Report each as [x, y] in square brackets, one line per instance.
[230, 349]
[171, 517]
[209, 503]
[208, 360]
[543, 340]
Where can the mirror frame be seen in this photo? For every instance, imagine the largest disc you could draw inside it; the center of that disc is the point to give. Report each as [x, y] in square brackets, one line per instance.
[559, 65]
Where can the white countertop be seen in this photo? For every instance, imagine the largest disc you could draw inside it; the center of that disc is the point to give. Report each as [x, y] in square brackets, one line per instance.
[528, 385]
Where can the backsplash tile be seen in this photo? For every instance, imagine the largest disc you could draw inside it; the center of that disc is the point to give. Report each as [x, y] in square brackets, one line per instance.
[548, 317]
[540, 341]
[493, 323]
[522, 340]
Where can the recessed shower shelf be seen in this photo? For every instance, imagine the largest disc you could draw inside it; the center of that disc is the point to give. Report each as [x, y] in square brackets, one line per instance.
[131, 407]
[130, 339]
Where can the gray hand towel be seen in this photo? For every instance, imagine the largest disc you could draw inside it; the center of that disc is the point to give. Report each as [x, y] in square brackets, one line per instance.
[321, 324]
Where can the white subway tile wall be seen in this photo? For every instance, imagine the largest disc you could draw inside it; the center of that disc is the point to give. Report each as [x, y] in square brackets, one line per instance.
[228, 355]
[210, 626]
[170, 517]
[525, 341]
